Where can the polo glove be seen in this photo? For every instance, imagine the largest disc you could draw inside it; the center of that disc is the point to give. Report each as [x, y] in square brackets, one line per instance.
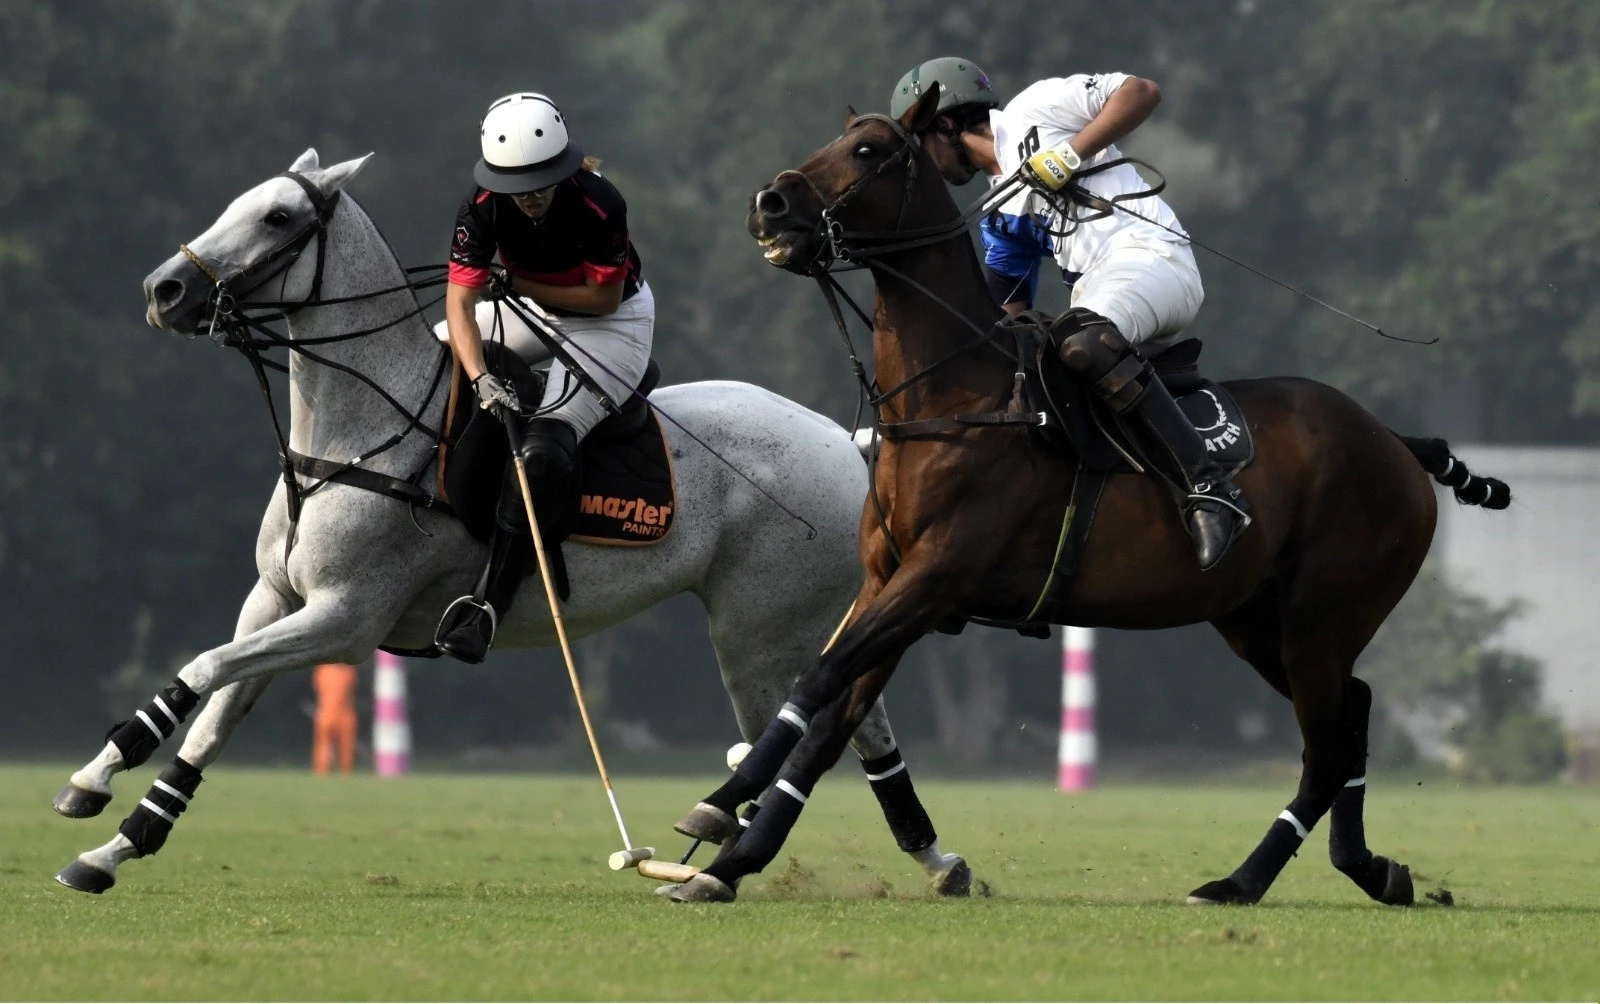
[493, 394]
[1050, 170]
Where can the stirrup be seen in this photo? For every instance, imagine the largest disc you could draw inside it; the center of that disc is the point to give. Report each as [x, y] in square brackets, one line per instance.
[1202, 493]
[476, 604]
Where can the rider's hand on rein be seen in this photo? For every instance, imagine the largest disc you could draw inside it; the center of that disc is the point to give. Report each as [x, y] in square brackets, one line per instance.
[1050, 170]
[494, 395]
[500, 282]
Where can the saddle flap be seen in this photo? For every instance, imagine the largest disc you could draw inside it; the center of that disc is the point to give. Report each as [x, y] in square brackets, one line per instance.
[624, 484]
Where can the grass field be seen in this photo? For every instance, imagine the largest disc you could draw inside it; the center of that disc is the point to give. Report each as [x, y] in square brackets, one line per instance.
[279, 885]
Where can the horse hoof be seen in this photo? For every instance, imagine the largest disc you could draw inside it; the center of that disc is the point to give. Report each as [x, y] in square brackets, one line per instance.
[1222, 892]
[708, 823]
[80, 803]
[956, 880]
[86, 878]
[668, 888]
[1397, 888]
[704, 888]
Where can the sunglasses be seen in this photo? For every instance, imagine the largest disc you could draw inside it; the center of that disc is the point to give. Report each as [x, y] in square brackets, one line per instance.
[537, 194]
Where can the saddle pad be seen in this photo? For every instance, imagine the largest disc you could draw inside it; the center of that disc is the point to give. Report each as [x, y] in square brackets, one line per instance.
[1216, 416]
[625, 493]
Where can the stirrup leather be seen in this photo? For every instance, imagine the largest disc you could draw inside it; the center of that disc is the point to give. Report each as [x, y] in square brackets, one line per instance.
[475, 603]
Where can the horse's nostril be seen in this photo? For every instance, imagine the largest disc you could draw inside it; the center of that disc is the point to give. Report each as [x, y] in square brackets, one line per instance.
[168, 292]
[772, 203]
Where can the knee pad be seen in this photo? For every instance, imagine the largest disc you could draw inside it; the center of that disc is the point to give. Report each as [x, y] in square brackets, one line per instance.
[1093, 349]
[549, 448]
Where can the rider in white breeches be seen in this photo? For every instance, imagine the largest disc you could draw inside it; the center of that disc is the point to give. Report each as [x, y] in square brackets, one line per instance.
[1134, 282]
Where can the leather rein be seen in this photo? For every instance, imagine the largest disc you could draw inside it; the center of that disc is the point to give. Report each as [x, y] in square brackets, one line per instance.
[231, 326]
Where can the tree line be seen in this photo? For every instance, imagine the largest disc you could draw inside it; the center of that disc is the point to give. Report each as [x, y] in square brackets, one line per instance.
[1421, 162]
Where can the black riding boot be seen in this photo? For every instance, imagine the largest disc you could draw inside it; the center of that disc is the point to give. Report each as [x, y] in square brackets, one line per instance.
[468, 628]
[1215, 510]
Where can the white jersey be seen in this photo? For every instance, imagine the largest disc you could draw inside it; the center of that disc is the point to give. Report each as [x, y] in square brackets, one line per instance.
[1044, 117]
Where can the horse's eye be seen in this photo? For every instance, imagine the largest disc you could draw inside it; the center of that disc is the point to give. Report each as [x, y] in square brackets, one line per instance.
[277, 218]
[864, 151]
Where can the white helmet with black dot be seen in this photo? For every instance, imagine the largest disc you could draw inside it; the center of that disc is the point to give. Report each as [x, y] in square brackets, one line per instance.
[525, 145]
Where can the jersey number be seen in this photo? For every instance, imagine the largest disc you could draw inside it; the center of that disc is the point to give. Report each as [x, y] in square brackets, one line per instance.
[1029, 145]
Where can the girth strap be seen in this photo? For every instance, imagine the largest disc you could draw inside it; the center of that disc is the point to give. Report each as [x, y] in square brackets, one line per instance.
[372, 481]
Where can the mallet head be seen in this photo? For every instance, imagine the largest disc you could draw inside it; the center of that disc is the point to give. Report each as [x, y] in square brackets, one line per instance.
[631, 857]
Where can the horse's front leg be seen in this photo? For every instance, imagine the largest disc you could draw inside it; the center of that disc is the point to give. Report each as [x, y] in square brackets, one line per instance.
[321, 631]
[765, 831]
[146, 829]
[88, 791]
[907, 606]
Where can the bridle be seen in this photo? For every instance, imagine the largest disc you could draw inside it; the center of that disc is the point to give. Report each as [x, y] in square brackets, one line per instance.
[278, 260]
[230, 325]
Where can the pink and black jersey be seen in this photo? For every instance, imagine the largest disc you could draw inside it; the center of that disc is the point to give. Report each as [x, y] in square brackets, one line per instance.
[582, 237]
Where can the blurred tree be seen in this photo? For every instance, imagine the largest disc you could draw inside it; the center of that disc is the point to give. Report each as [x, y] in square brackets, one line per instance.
[1420, 161]
[1437, 676]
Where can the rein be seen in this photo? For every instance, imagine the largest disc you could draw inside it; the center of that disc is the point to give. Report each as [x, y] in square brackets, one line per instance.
[232, 327]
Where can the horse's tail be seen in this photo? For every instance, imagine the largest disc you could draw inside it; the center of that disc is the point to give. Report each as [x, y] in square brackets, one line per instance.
[1435, 457]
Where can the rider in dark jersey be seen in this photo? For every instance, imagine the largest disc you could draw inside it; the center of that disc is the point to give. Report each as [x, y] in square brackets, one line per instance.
[560, 231]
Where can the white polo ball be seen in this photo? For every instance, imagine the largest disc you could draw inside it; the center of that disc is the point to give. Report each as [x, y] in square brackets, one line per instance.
[736, 754]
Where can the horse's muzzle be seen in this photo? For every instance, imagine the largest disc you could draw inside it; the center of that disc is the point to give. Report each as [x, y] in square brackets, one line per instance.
[176, 296]
[786, 241]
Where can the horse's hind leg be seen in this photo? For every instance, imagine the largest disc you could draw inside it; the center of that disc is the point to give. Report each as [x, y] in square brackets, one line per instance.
[146, 829]
[1386, 881]
[908, 821]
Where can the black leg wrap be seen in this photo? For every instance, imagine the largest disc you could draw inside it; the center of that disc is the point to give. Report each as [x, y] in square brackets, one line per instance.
[765, 835]
[1283, 839]
[139, 736]
[766, 757]
[907, 819]
[1347, 838]
[151, 821]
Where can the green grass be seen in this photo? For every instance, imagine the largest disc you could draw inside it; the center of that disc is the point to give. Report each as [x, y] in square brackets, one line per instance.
[279, 885]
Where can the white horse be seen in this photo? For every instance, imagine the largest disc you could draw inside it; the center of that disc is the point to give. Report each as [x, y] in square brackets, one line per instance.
[365, 569]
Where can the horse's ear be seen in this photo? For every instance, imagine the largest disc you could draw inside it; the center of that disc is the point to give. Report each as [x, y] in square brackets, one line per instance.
[921, 115]
[307, 161]
[850, 115]
[334, 178]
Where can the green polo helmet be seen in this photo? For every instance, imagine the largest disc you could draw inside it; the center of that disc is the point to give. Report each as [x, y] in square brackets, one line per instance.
[961, 82]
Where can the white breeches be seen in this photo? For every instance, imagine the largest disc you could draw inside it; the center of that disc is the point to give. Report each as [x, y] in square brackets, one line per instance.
[620, 342]
[1150, 291]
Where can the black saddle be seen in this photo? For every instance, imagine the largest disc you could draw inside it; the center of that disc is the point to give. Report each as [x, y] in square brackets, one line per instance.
[1080, 421]
[474, 458]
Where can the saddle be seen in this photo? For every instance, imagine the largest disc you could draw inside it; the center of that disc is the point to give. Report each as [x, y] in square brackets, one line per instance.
[624, 473]
[1078, 420]
[1068, 418]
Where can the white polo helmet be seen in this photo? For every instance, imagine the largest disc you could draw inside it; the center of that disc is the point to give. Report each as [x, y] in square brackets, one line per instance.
[525, 145]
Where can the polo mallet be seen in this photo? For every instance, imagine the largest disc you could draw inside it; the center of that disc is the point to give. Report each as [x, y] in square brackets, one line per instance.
[629, 855]
[682, 870]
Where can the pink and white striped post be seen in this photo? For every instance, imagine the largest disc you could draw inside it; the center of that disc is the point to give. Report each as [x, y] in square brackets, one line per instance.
[1076, 756]
[391, 731]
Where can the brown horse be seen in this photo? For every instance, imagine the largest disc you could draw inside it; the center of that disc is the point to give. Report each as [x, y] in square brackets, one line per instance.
[1344, 514]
